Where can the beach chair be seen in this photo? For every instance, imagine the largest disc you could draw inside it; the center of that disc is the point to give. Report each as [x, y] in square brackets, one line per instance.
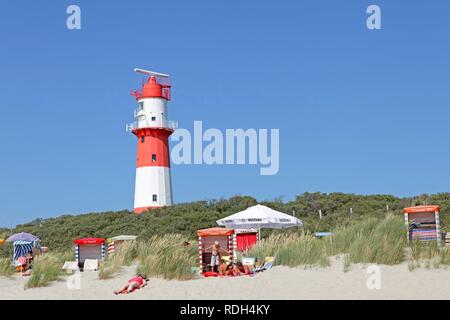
[70, 265]
[90, 265]
[267, 265]
[249, 261]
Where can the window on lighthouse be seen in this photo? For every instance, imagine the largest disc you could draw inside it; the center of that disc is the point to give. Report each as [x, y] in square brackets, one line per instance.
[153, 157]
[142, 139]
[153, 118]
[155, 198]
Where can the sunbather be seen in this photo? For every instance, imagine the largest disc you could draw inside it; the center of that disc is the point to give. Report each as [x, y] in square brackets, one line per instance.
[222, 267]
[133, 284]
[240, 269]
[230, 270]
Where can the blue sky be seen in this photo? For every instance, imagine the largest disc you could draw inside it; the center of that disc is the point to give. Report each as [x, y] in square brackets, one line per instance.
[358, 111]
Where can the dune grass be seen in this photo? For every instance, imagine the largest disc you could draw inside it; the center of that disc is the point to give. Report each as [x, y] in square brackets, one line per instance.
[166, 257]
[428, 255]
[292, 250]
[46, 269]
[371, 241]
[124, 255]
[6, 270]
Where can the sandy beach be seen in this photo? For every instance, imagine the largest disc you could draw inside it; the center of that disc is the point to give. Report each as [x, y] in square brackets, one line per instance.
[397, 282]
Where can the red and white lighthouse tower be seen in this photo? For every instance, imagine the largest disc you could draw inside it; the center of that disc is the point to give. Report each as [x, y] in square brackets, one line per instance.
[152, 128]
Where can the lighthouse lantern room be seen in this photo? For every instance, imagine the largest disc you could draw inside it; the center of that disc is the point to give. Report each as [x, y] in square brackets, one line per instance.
[153, 187]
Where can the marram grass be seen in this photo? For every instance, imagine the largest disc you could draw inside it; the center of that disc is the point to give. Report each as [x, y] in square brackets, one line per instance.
[46, 269]
[167, 257]
[124, 255]
[292, 250]
[381, 241]
[6, 269]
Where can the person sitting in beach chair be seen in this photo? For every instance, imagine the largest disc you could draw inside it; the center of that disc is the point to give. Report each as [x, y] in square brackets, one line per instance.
[22, 266]
[133, 284]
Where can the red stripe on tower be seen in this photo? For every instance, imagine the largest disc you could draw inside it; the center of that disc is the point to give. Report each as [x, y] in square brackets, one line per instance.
[153, 188]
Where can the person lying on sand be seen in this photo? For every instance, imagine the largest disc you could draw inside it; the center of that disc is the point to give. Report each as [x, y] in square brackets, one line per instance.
[133, 284]
[240, 269]
[230, 270]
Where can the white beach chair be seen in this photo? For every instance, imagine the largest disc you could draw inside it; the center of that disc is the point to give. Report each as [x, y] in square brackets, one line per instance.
[267, 265]
[90, 265]
[70, 266]
[249, 261]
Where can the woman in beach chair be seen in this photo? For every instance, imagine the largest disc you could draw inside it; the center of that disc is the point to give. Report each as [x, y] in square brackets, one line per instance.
[133, 284]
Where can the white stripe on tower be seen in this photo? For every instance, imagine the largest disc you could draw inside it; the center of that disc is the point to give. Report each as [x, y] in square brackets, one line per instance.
[150, 182]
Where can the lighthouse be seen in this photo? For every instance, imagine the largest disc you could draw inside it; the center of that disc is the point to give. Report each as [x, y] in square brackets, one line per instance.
[153, 185]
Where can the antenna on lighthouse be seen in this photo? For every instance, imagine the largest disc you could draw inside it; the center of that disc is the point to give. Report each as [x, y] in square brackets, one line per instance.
[151, 73]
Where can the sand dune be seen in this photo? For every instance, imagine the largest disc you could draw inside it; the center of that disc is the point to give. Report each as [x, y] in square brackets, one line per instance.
[279, 283]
